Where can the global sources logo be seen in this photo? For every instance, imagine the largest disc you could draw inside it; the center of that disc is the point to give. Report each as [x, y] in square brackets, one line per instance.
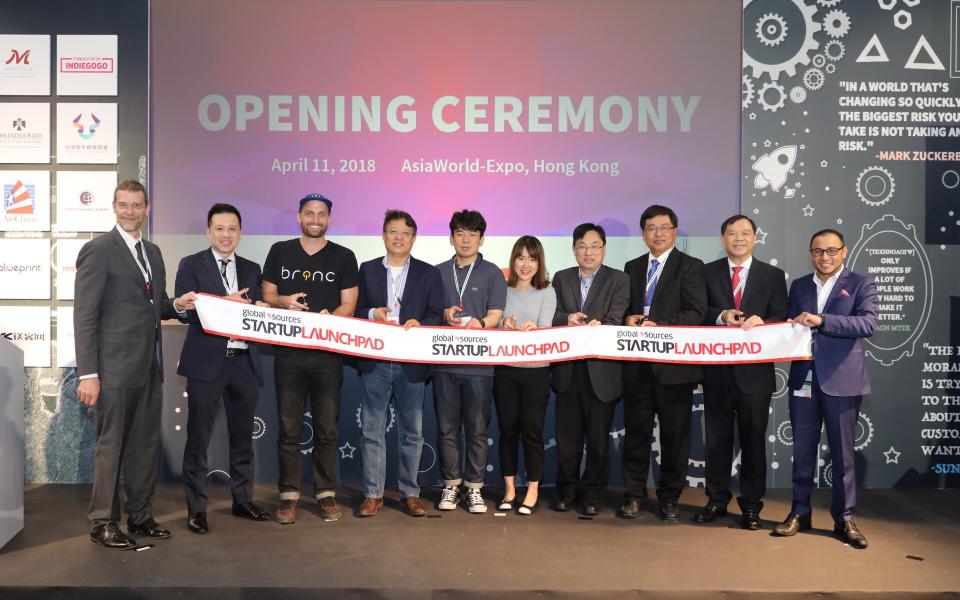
[86, 64]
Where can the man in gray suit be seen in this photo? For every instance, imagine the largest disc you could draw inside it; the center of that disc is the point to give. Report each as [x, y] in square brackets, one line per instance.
[587, 390]
[120, 298]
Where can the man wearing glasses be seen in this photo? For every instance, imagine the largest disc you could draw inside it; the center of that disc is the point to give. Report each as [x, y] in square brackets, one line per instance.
[587, 390]
[840, 307]
[667, 287]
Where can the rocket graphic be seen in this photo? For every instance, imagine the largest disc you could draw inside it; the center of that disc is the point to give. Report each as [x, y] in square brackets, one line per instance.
[772, 169]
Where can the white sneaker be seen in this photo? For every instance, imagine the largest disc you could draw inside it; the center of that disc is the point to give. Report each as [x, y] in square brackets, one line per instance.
[475, 503]
[450, 498]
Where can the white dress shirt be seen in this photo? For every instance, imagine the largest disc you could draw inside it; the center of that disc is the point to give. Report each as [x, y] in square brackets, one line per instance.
[743, 277]
[825, 288]
[232, 286]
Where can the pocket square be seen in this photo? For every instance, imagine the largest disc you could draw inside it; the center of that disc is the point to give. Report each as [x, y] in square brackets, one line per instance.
[843, 294]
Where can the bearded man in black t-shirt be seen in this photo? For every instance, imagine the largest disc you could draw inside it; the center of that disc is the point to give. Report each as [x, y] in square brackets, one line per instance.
[314, 274]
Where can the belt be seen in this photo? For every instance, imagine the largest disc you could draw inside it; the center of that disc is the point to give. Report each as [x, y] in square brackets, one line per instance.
[231, 352]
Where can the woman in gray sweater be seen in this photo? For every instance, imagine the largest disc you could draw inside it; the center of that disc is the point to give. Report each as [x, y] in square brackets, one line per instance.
[521, 391]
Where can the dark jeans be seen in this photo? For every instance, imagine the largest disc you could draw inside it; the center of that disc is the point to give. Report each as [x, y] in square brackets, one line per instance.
[462, 400]
[237, 386]
[521, 396]
[581, 416]
[672, 405]
[319, 374]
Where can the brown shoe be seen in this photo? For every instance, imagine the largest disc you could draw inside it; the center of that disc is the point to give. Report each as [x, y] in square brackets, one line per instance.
[329, 509]
[368, 508]
[287, 512]
[414, 506]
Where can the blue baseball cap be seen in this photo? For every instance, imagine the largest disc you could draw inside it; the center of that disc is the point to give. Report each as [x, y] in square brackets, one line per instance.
[318, 197]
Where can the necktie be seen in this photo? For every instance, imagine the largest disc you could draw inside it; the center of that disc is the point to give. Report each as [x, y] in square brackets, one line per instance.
[223, 273]
[146, 269]
[651, 283]
[737, 293]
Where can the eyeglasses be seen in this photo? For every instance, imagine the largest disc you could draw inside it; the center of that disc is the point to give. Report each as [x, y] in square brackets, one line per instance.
[651, 229]
[591, 247]
[818, 252]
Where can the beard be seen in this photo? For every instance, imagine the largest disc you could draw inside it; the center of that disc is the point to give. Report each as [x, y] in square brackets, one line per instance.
[307, 232]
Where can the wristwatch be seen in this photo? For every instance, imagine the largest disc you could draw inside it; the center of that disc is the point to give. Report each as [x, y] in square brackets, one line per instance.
[821, 321]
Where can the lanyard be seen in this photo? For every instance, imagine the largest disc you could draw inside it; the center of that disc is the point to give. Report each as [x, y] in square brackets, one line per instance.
[656, 275]
[456, 281]
[398, 282]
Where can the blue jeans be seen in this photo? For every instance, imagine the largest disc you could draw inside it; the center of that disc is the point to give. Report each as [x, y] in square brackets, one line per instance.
[462, 400]
[387, 381]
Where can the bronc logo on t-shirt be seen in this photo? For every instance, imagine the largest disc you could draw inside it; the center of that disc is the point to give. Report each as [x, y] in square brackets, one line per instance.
[305, 275]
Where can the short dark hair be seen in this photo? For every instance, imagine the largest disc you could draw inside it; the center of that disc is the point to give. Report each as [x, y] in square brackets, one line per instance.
[399, 215]
[535, 249]
[221, 208]
[731, 220]
[584, 228]
[656, 210]
[468, 220]
[827, 232]
[131, 185]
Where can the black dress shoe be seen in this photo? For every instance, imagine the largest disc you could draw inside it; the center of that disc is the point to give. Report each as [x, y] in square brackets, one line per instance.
[792, 524]
[630, 509]
[590, 510]
[849, 533]
[562, 505]
[149, 528]
[709, 513]
[197, 522]
[750, 519]
[109, 535]
[249, 510]
[669, 512]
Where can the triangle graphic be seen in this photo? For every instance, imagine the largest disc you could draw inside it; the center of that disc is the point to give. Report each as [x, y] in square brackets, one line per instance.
[873, 52]
[933, 63]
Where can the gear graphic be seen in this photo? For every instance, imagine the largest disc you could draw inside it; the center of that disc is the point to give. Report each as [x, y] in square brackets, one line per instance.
[813, 78]
[259, 427]
[836, 23]
[746, 92]
[700, 465]
[785, 433]
[828, 3]
[864, 432]
[875, 186]
[827, 477]
[306, 446]
[831, 69]
[390, 423]
[805, 29]
[766, 102]
[834, 50]
[798, 94]
[771, 29]
[818, 61]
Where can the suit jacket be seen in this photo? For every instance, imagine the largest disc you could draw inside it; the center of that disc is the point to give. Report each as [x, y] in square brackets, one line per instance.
[203, 354]
[422, 300]
[764, 295]
[116, 327]
[849, 315]
[607, 302]
[680, 298]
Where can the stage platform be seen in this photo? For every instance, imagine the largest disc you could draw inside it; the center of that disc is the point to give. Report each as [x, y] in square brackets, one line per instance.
[914, 552]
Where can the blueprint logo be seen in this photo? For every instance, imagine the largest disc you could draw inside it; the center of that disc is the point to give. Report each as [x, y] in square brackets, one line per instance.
[86, 132]
[18, 198]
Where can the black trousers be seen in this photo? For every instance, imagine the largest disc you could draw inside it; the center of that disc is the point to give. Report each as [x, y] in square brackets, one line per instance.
[128, 443]
[319, 374]
[521, 396]
[672, 406]
[581, 416]
[238, 387]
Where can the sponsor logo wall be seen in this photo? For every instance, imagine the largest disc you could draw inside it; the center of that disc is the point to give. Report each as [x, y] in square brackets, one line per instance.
[87, 65]
[25, 205]
[24, 65]
[25, 132]
[28, 327]
[85, 200]
[87, 133]
[25, 269]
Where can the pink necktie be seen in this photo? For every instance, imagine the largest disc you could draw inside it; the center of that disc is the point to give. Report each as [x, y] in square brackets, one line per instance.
[737, 294]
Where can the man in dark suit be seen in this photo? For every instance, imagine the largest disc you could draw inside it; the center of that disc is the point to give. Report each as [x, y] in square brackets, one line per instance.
[587, 390]
[841, 308]
[741, 292]
[395, 288]
[216, 368]
[120, 300]
[666, 288]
